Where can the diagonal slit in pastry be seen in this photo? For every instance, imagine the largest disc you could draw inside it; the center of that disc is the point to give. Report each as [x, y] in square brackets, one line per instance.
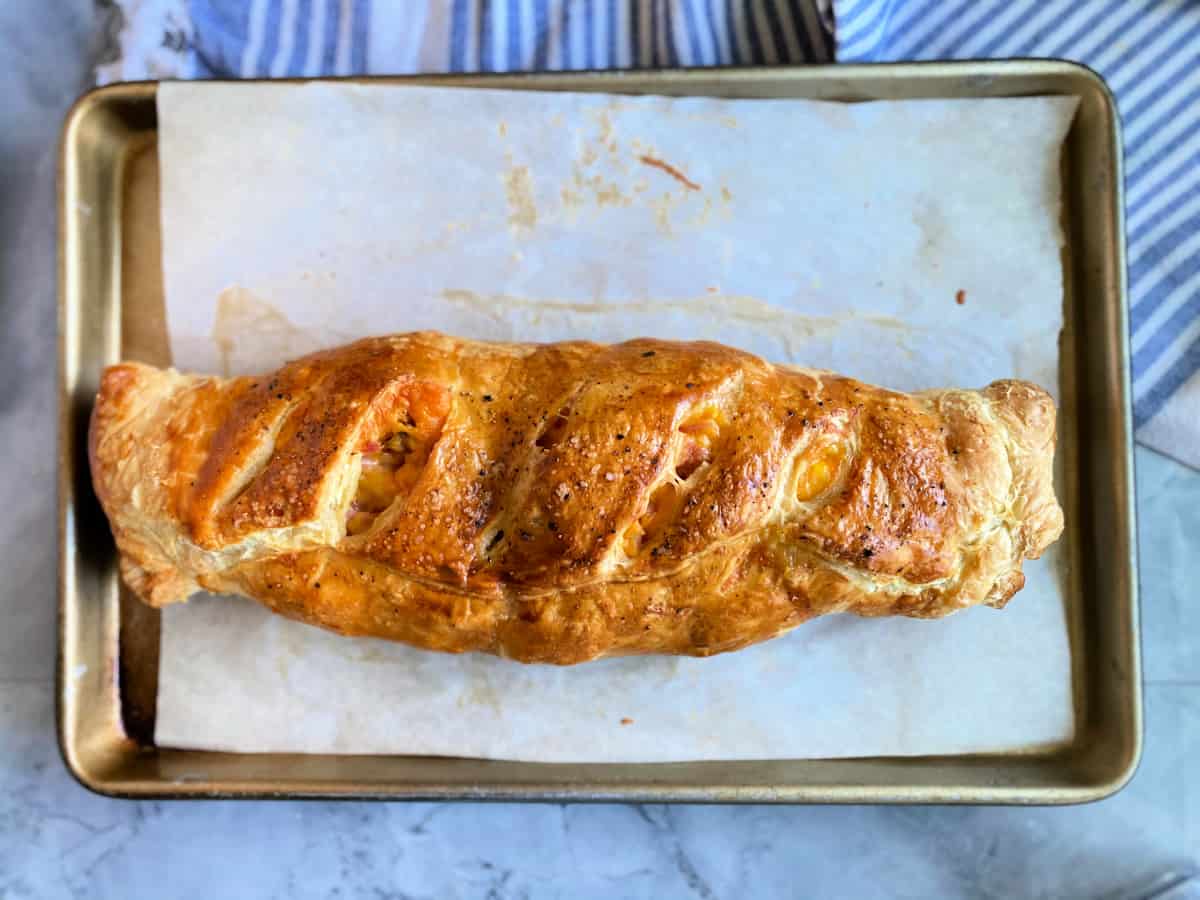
[701, 430]
[273, 436]
[650, 525]
[393, 452]
[818, 467]
[699, 434]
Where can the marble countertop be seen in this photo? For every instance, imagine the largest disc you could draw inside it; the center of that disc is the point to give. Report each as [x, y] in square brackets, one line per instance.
[56, 839]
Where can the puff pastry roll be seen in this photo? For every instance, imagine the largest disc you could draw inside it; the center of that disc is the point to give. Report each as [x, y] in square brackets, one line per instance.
[562, 502]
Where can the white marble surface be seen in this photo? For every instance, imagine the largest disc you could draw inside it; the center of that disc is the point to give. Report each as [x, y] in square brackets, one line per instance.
[56, 839]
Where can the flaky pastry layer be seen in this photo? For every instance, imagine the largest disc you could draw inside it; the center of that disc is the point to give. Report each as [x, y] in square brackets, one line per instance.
[563, 502]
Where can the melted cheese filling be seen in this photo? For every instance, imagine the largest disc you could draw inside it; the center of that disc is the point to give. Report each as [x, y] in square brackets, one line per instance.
[659, 512]
[389, 471]
[816, 470]
[700, 431]
[393, 459]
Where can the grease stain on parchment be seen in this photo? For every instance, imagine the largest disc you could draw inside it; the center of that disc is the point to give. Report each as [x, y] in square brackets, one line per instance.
[725, 121]
[726, 307]
[662, 212]
[522, 208]
[605, 128]
[253, 335]
[241, 316]
[480, 692]
[607, 172]
[673, 171]
[610, 170]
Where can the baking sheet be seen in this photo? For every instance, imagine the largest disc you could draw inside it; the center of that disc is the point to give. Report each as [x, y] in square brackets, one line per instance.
[828, 235]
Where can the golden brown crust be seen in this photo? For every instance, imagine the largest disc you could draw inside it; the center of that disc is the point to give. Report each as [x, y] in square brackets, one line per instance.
[558, 503]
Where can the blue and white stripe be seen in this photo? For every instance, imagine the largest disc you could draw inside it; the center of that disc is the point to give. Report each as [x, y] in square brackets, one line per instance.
[1149, 53]
[279, 38]
[535, 35]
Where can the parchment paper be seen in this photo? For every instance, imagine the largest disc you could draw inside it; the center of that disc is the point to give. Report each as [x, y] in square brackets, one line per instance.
[912, 244]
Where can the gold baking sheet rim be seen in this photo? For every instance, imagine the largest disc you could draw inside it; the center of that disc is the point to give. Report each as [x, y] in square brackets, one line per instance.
[111, 307]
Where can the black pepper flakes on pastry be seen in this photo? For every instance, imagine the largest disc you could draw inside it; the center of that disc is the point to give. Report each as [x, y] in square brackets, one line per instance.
[564, 502]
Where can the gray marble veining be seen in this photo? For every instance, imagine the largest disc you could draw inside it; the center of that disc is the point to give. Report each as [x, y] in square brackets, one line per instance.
[56, 839]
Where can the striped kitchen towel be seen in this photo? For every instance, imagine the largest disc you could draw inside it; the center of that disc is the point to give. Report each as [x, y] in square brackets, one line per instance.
[1149, 53]
[277, 38]
[1147, 50]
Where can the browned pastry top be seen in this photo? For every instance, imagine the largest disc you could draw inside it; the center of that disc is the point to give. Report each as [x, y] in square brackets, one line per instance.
[565, 501]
